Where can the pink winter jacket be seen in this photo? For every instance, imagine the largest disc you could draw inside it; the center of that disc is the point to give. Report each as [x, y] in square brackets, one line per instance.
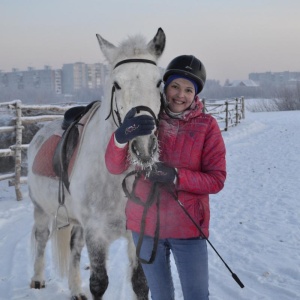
[194, 146]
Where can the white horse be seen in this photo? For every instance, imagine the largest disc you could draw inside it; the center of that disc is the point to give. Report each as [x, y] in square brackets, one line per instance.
[95, 203]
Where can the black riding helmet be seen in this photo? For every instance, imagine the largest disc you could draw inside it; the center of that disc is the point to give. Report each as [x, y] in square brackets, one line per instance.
[188, 66]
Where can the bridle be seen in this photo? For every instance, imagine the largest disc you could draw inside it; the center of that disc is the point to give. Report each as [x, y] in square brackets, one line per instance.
[154, 194]
[115, 112]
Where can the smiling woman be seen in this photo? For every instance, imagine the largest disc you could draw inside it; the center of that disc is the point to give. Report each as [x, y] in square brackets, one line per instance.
[191, 166]
[184, 78]
[180, 93]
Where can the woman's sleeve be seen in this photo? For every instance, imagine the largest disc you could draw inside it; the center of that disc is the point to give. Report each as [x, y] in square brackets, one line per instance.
[211, 178]
[116, 157]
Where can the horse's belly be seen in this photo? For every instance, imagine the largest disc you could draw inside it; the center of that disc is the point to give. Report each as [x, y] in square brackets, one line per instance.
[44, 193]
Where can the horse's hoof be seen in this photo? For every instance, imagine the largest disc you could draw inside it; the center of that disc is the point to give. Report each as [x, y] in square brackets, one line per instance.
[37, 284]
[79, 297]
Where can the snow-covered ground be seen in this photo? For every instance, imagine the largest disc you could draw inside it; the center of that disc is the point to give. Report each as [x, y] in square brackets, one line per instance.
[254, 223]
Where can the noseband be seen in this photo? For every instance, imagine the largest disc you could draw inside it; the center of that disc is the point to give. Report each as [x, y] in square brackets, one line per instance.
[139, 108]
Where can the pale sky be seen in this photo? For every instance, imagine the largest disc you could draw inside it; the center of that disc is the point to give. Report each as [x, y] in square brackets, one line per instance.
[231, 37]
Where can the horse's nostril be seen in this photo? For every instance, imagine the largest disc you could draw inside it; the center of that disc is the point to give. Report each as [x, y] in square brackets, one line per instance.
[153, 146]
[134, 149]
[153, 149]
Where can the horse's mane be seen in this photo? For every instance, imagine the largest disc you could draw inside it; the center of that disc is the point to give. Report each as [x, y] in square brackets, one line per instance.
[133, 46]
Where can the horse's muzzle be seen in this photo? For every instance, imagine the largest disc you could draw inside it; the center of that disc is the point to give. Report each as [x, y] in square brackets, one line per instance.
[144, 151]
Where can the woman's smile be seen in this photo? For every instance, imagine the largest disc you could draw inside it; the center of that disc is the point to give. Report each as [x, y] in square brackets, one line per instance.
[180, 94]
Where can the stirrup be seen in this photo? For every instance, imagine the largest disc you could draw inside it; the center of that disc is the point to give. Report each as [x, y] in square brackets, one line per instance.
[64, 223]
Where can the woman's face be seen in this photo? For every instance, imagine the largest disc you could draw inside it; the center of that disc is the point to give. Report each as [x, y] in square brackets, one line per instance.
[180, 94]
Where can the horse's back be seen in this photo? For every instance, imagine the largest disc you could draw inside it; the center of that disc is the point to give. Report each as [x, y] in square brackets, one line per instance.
[42, 136]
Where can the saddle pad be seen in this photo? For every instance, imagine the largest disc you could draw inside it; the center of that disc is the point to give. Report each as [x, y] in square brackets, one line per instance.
[42, 164]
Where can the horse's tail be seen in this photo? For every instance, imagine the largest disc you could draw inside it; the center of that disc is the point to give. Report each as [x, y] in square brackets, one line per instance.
[60, 241]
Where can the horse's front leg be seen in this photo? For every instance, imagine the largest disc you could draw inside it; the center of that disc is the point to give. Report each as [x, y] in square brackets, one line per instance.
[76, 245]
[40, 235]
[97, 250]
[138, 278]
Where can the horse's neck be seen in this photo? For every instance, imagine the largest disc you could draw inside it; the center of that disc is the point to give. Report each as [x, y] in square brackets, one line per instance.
[106, 121]
[101, 128]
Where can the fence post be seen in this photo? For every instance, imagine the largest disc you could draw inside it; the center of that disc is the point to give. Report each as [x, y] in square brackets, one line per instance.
[18, 149]
[236, 111]
[226, 117]
[243, 107]
[15, 179]
[203, 102]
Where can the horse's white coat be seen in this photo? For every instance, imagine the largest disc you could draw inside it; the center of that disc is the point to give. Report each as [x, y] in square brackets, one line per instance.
[96, 201]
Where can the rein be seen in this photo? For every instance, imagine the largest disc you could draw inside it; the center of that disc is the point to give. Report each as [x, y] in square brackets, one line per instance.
[154, 196]
[113, 112]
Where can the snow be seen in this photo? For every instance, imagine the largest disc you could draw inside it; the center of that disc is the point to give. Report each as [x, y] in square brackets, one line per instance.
[254, 224]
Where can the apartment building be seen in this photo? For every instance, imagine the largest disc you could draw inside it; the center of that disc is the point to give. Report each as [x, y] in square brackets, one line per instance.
[71, 77]
[44, 79]
[276, 77]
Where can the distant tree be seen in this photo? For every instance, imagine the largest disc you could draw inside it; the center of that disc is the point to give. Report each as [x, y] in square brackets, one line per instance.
[211, 89]
[227, 82]
[288, 97]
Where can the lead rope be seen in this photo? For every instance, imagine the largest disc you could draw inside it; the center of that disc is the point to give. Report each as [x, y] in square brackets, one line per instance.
[154, 195]
[151, 198]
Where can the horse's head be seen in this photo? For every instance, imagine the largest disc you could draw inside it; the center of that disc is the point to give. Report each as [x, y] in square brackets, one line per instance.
[135, 81]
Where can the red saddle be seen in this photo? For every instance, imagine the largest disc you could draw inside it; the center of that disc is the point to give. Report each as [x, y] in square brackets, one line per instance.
[63, 148]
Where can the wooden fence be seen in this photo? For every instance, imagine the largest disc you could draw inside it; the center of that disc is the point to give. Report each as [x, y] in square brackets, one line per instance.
[52, 112]
[229, 112]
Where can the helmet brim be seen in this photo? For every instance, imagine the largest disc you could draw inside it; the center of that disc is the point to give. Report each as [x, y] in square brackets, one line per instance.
[200, 83]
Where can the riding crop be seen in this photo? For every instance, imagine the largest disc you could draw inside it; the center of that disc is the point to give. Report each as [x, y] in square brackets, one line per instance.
[234, 276]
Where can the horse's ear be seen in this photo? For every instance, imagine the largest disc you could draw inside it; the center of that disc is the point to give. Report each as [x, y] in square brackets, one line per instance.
[106, 47]
[157, 45]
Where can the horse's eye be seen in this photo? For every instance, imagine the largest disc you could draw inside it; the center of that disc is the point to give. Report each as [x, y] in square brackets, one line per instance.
[117, 86]
[158, 83]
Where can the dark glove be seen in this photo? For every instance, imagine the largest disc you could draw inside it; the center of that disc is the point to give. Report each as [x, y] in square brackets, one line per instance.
[134, 126]
[162, 173]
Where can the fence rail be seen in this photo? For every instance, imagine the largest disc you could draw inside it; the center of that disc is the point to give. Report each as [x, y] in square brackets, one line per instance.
[52, 112]
[229, 112]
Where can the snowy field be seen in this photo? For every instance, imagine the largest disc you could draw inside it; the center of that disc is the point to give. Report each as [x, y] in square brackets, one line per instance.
[254, 224]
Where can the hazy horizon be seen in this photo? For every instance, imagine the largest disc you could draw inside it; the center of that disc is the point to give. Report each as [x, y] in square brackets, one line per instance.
[232, 38]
